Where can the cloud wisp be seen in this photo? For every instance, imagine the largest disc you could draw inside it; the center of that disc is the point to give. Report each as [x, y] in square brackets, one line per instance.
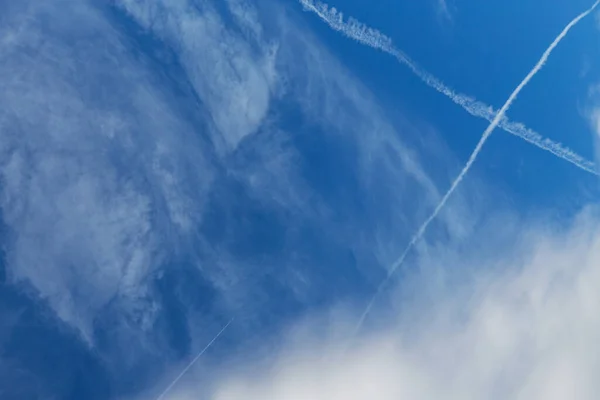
[359, 32]
[486, 134]
[239, 92]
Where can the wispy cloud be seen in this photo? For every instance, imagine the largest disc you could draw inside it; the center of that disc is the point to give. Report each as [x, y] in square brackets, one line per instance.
[234, 80]
[375, 39]
[126, 160]
[63, 192]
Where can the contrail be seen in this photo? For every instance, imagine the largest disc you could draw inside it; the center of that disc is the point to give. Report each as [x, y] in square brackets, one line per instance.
[359, 32]
[191, 364]
[486, 134]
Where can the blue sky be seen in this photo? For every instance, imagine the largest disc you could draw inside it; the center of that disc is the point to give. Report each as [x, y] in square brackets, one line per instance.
[167, 167]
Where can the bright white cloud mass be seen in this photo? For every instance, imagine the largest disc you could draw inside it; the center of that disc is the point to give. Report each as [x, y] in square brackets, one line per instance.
[525, 326]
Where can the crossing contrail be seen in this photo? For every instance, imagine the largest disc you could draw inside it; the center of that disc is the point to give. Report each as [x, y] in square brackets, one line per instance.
[359, 32]
[486, 134]
[191, 364]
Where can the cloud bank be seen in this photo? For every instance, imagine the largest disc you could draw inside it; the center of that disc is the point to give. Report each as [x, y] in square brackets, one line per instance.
[522, 325]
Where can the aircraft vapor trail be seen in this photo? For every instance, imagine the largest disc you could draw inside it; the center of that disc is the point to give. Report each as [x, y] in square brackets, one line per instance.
[486, 134]
[359, 32]
[191, 364]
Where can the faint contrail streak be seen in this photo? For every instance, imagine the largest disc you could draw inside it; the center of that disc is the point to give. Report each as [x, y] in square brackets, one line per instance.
[191, 364]
[356, 30]
[486, 134]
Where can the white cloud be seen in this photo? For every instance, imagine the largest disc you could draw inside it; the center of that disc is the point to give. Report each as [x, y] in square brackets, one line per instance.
[525, 329]
[247, 17]
[234, 80]
[81, 134]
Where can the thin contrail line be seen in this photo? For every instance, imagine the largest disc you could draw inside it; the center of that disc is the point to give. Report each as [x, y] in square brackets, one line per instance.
[359, 32]
[463, 172]
[191, 364]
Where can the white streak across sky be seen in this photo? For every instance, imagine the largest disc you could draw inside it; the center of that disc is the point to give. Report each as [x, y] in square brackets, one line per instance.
[486, 134]
[361, 33]
[191, 364]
